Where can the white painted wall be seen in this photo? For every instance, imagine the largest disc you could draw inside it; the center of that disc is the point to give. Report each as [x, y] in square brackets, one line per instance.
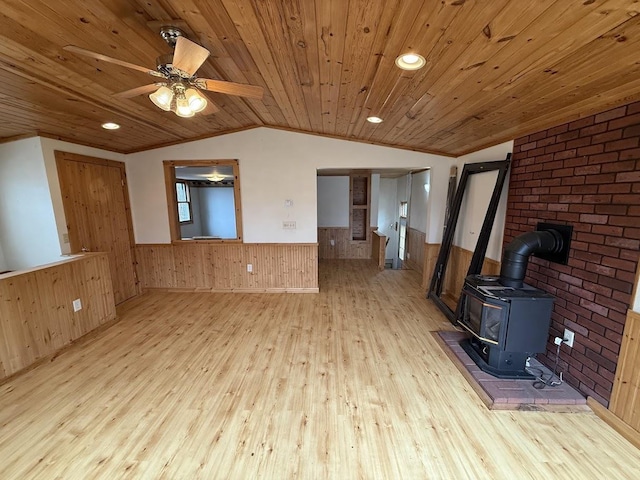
[476, 200]
[419, 201]
[636, 305]
[375, 199]
[3, 264]
[388, 214]
[28, 231]
[333, 201]
[49, 146]
[275, 165]
[404, 190]
[217, 212]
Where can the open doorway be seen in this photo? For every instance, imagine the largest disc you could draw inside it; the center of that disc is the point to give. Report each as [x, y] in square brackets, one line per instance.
[396, 236]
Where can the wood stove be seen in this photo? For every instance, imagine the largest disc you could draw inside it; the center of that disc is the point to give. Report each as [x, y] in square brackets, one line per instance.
[507, 324]
[508, 319]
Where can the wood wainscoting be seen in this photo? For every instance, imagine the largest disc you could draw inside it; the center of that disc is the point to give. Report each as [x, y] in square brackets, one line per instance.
[36, 312]
[222, 267]
[431, 251]
[343, 247]
[459, 261]
[415, 250]
[378, 249]
[625, 398]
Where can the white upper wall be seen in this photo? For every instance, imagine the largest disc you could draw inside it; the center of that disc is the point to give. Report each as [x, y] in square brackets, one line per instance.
[3, 264]
[28, 231]
[375, 199]
[388, 214]
[333, 201]
[418, 206]
[275, 166]
[476, 201]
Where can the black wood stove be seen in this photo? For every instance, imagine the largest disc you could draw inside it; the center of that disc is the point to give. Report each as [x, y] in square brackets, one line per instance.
[507, 324]
[509, 320]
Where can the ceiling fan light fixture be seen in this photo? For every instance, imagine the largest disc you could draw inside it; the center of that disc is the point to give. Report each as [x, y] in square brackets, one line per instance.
[215, 178]
[182, 107]
[162, 98]
[197, 102]
[410, 61]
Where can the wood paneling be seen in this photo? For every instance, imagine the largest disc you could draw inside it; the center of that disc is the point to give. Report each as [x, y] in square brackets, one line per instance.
[343, 247]
[222, 267]
[378, 248]
[415, 250]
[495, 70]
[347, 384]
[431, 251]
[625, 398]
[459, 261]
[36, 313]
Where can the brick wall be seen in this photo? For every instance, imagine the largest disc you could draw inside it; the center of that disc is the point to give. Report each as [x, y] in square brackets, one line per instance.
[586, 174]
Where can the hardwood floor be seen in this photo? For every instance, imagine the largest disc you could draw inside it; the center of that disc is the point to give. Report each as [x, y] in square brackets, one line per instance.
[347, 383]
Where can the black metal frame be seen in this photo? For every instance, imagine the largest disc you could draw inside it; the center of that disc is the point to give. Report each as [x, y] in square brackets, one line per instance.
[435, 289]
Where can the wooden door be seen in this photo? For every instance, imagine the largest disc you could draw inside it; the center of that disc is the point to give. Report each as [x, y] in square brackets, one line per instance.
[96, 206]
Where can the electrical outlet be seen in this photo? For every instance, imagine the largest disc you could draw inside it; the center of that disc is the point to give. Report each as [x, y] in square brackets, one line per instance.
[569, 337]
[249, 267]
[65, 238]
[77, 305]
[332, 242]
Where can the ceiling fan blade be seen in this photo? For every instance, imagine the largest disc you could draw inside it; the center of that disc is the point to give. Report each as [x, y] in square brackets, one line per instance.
[231, 88]
[104, 58]
[189, 56]
[137, 91]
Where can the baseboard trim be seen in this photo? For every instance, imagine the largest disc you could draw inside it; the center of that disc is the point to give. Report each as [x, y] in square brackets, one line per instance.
[234, 290]
[630, 434]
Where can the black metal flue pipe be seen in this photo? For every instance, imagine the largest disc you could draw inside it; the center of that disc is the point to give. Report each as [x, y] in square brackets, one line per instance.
[517, 253]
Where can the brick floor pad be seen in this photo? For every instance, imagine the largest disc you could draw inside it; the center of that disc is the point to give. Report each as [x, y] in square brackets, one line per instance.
[503, 394]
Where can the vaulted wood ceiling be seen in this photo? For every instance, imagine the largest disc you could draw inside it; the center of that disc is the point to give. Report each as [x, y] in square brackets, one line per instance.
[495, 69]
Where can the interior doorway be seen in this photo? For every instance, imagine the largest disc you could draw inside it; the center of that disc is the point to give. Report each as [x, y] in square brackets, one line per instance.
[96, 207]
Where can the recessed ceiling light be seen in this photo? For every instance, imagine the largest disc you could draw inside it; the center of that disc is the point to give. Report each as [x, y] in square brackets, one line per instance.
[374, 120]
[110, 126]
[410, 61]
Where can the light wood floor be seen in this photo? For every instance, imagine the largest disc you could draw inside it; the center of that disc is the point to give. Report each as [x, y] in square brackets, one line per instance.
[348, 383]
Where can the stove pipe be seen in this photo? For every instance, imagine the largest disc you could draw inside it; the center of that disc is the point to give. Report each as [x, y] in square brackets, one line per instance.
[517, 253]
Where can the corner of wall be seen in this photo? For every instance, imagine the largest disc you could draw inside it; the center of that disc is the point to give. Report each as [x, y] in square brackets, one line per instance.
[26, 243]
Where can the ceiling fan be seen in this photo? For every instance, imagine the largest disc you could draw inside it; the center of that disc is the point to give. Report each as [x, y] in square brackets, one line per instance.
[179, 89]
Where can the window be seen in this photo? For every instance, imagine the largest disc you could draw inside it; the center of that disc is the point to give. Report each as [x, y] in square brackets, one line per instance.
[183, 198]
[403, 209]
[204, 200]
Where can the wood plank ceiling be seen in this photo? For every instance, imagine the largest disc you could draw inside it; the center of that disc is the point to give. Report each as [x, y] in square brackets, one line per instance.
[495, 69]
